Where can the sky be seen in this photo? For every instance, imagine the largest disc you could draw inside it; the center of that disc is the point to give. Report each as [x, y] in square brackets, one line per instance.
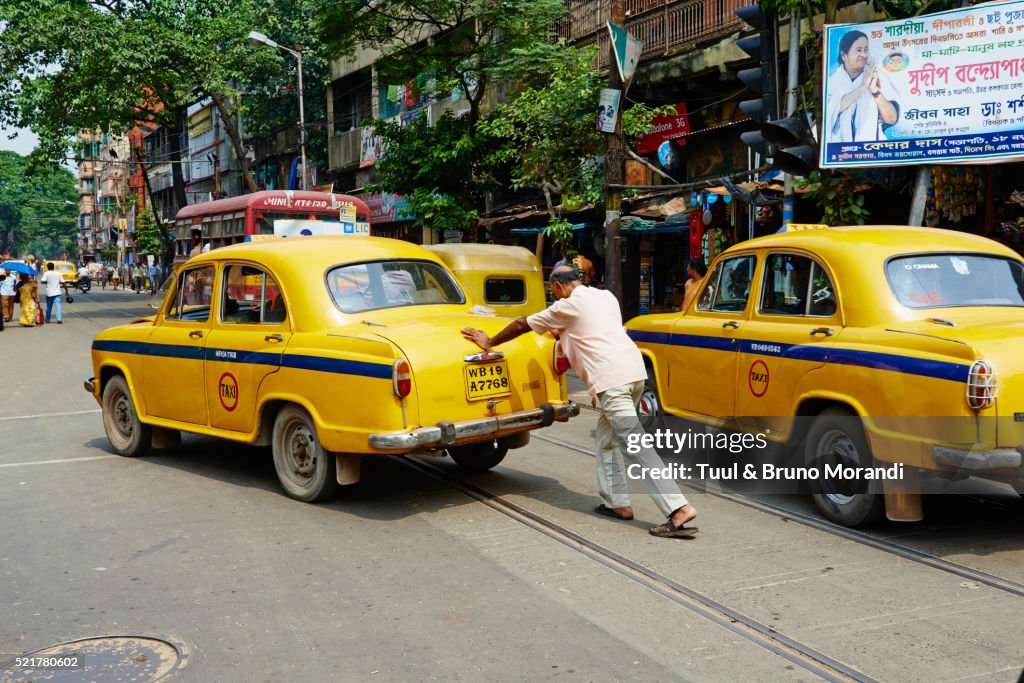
[25, 143]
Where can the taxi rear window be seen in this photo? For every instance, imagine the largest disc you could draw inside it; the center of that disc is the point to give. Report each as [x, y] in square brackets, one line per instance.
[362, 287]
[939, 280]
[504, 290]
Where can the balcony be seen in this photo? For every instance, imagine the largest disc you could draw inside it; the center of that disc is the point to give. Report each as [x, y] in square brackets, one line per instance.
[343, 150]
[664, 26]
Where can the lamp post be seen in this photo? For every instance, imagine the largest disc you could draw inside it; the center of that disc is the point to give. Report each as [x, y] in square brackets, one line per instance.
[257, 38]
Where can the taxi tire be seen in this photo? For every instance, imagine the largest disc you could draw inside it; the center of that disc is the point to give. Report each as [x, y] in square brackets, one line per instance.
[294, 431]
[127, 435]
[649, 409]
[479, 457]
[838, 431]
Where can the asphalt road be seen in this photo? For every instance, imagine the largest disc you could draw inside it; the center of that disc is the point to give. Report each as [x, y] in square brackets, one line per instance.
[406, 577]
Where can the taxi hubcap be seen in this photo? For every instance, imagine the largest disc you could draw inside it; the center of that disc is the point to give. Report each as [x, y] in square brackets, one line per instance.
[302, 451]
[837, 448]
[123, 415]
[648, 406]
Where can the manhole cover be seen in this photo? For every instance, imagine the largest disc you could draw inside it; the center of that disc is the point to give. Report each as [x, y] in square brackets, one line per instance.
[105, 659]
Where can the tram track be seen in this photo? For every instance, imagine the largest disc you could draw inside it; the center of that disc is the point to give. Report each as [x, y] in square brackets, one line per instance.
[903, 552]
[746, 627]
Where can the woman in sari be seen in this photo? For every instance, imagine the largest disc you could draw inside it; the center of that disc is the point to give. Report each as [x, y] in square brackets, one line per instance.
[28, 296]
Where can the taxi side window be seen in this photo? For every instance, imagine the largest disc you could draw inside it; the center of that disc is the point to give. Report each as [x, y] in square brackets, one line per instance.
[193, 296]
[796, 285]
[729, 286]
[251, 295]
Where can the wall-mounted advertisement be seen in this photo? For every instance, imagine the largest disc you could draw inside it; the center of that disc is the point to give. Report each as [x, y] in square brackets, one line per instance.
[936, 89]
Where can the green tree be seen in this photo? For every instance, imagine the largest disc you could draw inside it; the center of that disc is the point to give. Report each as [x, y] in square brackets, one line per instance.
[38, 211]
[108, 64]
[548, 132]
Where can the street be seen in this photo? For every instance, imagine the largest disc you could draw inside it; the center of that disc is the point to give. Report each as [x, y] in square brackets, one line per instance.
[424, 572]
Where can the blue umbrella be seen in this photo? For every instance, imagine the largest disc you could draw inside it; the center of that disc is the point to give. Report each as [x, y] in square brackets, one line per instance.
[18, 267]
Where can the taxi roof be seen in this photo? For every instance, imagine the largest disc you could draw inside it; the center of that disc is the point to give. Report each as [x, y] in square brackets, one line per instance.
[317, 252]
[884, 240]
[489, 257]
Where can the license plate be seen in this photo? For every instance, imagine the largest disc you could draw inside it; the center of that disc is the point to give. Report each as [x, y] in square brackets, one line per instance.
[487, 380]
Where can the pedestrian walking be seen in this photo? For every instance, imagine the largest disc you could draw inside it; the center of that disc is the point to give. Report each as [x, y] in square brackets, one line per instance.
[7, 295]
[28, 298]
[697, 271]
[138, 275]
[589, 325]
[154, 278]
[52, 280]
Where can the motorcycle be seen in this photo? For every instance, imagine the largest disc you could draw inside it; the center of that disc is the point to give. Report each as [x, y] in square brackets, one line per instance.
[82, 284]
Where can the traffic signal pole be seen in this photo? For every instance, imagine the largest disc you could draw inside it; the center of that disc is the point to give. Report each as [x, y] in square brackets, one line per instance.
[793, 77]
[614, 161]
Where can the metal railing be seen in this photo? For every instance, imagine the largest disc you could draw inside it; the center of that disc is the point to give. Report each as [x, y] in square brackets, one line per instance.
[664, 26]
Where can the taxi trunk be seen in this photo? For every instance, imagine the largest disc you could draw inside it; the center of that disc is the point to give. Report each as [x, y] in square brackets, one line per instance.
[993, 336]
[450, 381]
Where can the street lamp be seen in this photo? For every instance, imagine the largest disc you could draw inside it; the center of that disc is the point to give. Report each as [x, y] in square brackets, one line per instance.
[257, 38]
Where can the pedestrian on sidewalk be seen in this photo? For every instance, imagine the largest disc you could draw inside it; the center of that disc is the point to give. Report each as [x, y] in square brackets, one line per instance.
[52, 281]
[589, 325]
[7, 295]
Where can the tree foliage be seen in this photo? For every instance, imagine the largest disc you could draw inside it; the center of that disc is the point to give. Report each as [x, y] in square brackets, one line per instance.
[34, 218]
[108, 64]
[439, 168]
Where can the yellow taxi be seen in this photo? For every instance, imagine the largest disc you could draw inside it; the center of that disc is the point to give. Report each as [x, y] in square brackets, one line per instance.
[857, 347]
[68, 271]
[507, 279]
[327, 349]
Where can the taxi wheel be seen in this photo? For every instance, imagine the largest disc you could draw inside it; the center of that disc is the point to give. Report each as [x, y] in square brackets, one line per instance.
[479, 457]
[127, 435]
[649, 408]
[837, 438]
[306, 470]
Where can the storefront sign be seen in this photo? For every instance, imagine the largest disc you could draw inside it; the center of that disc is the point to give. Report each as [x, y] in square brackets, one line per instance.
[664, 128]
[386, 207]
[934, 89]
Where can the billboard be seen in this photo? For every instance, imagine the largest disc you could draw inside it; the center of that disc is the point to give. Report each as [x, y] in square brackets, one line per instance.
[935, 89]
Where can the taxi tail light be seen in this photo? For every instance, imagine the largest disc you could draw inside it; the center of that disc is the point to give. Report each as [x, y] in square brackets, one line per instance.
[559, 360]
[981, 385]
[401, 378]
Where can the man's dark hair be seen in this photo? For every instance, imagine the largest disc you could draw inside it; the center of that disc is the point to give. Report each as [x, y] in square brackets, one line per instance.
[564, 275]
[49, 266]
[847, 41]
[698, 265]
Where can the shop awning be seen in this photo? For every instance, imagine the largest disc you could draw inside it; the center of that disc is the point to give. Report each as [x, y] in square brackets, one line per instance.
[534, 229]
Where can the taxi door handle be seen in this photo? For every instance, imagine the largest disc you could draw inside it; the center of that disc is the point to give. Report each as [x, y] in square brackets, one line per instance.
[822, 330]
[732, 323]
[196, 334]
[274, 338]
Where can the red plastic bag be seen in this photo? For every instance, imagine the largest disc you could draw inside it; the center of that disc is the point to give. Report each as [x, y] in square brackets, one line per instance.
[40, 317]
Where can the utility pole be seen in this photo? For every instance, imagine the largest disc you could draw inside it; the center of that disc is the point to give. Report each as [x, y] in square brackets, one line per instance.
[792, 79]
[614, 161]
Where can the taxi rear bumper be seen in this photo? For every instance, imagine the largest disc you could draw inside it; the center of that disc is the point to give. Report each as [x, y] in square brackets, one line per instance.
[447, 433]
[995, 459]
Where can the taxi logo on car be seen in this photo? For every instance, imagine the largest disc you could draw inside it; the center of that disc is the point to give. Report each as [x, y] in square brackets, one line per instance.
[228, 391]
[758, 378]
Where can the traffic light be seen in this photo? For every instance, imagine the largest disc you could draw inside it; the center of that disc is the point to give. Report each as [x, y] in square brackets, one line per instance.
[796, 148]
[762, 79]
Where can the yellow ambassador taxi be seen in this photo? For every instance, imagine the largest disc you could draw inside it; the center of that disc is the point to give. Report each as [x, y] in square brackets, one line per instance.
[856, 346]
[327, 349]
